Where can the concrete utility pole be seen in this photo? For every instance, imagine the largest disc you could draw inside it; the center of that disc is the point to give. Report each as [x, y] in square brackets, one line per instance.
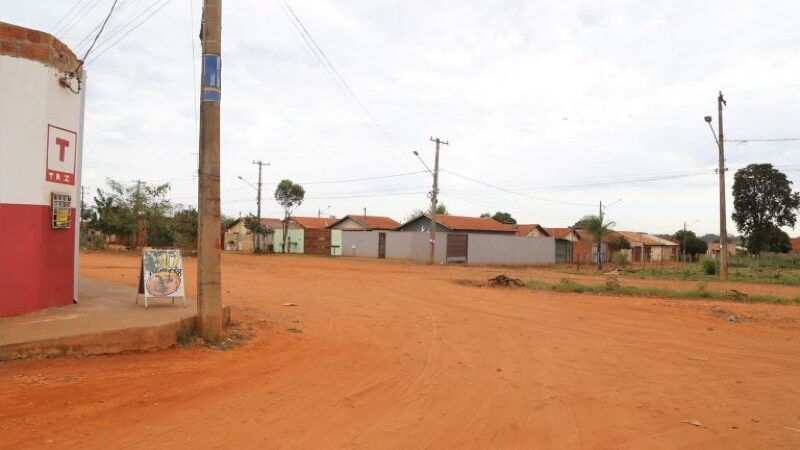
[434, 197]
[209, 280]
[257, 237]
[600, 241]
[723, 229]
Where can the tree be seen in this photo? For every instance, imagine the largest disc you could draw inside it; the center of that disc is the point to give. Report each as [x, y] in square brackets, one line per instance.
[504, 217]
[763, 201]
[184, 224]
[257, 227]
[485, 215]
[596, 227]
[694, 245]
[289, 195]
[121, 209]
[226, 221]
[620, 243]
[441, 209]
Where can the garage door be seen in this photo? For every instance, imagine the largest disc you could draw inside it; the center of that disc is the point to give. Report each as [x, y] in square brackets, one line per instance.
[456, 247]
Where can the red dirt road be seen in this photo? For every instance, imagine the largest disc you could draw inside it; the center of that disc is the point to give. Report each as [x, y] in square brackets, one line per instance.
[396, 355]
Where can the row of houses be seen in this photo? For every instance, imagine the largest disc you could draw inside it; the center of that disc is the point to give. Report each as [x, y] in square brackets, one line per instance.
[475, 240]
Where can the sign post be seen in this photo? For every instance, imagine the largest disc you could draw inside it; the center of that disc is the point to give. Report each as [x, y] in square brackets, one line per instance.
[161, 275]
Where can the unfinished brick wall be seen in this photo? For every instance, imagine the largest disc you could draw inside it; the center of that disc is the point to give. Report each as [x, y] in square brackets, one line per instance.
[37, 46]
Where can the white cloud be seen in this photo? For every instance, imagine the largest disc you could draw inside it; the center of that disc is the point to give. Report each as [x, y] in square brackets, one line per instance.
[529, 94]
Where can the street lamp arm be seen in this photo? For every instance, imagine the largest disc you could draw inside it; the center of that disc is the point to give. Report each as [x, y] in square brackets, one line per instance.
[248, 183]
[423, 163]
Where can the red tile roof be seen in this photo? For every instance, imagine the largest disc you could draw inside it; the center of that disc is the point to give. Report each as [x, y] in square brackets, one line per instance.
[313, 222]
[272, 223]
[560, 233]
[525, 229]
[472, 223]
[377, 222]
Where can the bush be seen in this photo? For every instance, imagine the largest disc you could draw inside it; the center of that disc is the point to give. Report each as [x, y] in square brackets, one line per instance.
[709, 266]
[621, 259]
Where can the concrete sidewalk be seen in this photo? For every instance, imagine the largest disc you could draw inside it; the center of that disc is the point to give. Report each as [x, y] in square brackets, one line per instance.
[106, 320]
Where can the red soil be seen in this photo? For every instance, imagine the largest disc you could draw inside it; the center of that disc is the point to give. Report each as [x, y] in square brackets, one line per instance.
[395, 355]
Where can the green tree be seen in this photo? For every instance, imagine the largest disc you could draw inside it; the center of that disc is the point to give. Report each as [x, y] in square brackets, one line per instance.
[620, 243]
[763, 201]
[257, 227]
[504, 217]
[120, 208]
[227, 221]
[184, 225]
[597, 227]
[441, 209]
[289, 195]
[694, 245]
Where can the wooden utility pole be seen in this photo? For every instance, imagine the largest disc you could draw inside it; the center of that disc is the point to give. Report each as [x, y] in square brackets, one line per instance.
[600, 241]
[209, 280]
[434, 197]
[684, 241]
[257, 236]
[723, 232]
[140, 231]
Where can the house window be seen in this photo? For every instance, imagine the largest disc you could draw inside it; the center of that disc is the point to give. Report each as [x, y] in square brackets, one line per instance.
[59, 205]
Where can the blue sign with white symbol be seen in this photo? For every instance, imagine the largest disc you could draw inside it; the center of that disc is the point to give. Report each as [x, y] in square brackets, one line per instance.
[212, 78]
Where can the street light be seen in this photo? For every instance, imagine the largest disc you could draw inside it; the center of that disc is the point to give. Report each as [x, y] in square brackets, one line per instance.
[416, 153]
[713, 133]
[248, 183]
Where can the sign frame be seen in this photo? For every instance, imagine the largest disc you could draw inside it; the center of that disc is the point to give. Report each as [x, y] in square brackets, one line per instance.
[161, 275]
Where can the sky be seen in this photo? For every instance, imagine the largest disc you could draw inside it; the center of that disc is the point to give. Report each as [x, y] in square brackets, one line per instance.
[549, 108]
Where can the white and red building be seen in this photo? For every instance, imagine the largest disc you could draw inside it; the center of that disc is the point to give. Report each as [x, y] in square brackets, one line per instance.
[41, 131]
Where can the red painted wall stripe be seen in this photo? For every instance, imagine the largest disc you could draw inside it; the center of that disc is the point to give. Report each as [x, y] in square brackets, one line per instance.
[36, 261]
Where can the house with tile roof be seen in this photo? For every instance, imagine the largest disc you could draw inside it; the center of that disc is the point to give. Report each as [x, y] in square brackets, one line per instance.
[364, 223]
[238, 238]
[531, 229]
[648, 248]
[309, 235]
[446, 223]
[566, 239]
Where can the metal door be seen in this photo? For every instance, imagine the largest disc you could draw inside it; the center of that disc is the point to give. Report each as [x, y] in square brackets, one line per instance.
[457, 246]
[381, 245]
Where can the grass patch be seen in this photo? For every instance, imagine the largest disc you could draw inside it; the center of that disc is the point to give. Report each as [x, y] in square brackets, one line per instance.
[186, 336]
[570, 285]
[694, 272]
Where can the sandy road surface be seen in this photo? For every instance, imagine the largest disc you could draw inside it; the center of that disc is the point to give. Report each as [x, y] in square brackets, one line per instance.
[398, 355]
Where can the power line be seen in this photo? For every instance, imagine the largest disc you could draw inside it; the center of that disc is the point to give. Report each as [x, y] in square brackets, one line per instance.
[112, 45]
[75, 19]
[744, 141]
[110, 11]
[121, 7]
[55, 26]
[340, 83]
[514, 192]
[352, 180]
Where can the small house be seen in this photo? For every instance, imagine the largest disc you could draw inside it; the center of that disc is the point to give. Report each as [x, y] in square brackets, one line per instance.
[565, 243]
[238, 238]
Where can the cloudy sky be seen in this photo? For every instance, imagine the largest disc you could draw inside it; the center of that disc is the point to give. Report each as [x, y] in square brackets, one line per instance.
[561, 105]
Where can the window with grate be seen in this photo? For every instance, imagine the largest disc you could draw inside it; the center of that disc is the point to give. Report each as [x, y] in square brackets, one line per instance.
[60, 204]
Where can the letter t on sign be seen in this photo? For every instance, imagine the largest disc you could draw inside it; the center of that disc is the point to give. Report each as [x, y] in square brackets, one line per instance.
[62, 146]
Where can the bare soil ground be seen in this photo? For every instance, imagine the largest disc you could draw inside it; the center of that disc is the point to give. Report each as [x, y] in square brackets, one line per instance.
[397, 355]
